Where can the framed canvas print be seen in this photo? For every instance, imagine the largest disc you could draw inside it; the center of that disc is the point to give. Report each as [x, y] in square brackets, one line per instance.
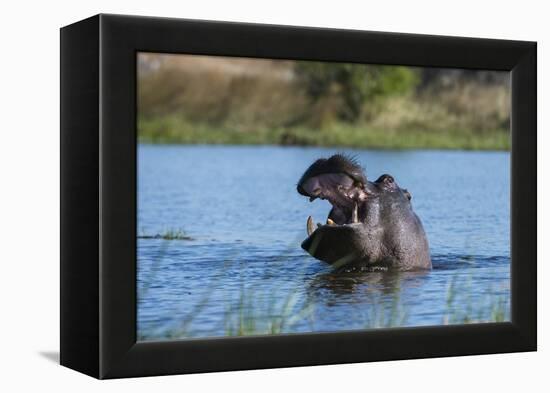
[239, 196]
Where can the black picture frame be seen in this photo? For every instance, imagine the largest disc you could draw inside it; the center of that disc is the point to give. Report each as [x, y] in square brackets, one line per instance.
[98, 196]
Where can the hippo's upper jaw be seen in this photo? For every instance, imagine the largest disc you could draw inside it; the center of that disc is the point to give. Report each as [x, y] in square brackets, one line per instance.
[371, 224]
[341, 181]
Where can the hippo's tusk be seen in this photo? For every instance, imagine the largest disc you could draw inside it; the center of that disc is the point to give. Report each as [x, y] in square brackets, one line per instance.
[354, 214]
[330, 222]
[310, 226]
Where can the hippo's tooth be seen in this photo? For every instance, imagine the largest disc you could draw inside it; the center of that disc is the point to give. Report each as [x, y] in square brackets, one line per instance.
[330, 222]
[354, 214]
[310, 226]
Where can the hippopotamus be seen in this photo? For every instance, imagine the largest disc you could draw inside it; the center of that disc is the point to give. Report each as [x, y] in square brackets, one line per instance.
[371, 226]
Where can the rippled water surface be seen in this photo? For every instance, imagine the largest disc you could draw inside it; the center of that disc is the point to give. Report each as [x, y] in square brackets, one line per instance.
[243, 271]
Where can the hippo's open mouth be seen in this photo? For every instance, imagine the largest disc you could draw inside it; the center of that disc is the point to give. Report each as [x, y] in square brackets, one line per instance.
[336, 211]
[341, 181]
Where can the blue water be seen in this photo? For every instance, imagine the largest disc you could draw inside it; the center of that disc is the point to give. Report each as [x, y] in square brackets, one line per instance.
[244, 272]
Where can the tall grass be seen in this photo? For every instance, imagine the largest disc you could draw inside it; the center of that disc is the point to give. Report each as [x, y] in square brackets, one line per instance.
[486, 309]
[257, 314]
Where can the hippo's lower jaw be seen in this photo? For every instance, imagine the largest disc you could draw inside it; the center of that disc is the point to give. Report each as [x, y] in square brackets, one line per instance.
[359, 247]
[343, 245]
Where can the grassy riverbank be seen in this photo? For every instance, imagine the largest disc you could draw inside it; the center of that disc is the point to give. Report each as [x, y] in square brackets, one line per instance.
[217, 100]
[174, 129]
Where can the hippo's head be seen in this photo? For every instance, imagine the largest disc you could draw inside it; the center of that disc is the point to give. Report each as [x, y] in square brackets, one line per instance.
[371, 224]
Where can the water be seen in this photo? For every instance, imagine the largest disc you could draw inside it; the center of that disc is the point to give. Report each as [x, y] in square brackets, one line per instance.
[244, 272]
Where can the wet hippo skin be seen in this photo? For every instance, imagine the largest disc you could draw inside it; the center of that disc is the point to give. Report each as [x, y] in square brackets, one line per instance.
[371, 226]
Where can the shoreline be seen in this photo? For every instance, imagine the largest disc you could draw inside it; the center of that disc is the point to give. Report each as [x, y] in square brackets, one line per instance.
[347, 137]
[413, 141]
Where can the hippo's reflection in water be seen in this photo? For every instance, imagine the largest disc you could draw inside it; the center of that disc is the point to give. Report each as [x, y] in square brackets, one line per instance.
[381, 282]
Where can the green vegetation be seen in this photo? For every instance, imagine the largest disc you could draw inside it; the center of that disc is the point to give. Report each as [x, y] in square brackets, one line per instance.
[257, 312]
[487, 309]
[217, 100]
[177, 130]
[169, 234]
[258, 316]
[343, 91]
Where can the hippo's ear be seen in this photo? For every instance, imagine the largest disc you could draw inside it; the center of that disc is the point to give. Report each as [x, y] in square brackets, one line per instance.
[387, 182]
[385, 179]
[407, 194]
